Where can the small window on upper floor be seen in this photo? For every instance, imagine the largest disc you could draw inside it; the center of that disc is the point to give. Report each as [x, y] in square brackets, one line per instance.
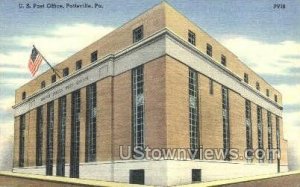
[223, 60]
[246, 78]
[65, 72]
[78, 64]
[23, 95]
[43, 84]
[138, 34]
[275, 98]
[209, 49]
[257, 86]
[267, 92]
[94, 56]
[211, 87]
[192, 37]
[53, 78]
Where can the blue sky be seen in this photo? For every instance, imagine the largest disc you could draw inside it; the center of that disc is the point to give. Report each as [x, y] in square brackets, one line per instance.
[266, 39]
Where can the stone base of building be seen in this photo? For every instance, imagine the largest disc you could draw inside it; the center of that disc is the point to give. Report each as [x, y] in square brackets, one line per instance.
[164, 172]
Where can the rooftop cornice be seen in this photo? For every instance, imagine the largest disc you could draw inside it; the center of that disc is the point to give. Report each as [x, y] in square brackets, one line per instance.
[156, 36]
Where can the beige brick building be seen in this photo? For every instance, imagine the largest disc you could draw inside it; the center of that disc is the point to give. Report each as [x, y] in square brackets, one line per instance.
[161, 82]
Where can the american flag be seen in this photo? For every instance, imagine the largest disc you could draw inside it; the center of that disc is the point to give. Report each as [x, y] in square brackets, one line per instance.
[35, 61]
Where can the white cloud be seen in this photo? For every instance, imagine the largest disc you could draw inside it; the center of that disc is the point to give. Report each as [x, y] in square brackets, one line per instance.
[63, 40]
[17, 58]
[11, 70]
[6, 146]
[15, 82]
[6, 103]
[291, 128]
[267, 58]
[6, 130]
[56, 45]
[290, 93]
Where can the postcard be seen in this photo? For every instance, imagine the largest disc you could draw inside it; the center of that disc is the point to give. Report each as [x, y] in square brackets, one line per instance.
[157, 93]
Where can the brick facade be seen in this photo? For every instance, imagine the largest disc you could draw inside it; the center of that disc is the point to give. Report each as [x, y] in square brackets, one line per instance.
[166, 97]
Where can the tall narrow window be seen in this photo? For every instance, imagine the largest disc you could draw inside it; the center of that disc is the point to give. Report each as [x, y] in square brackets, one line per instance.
[22, 140]
[94, 56]
[43, 84]
[260, 133]
[209, 49]
[226, 128]
[270, 139]
[248, 129]
[268, 92]
[75, 135]
[223, 60]
[138, 34]
[193, 111]
[23, 95]
[246, 78]
[39, 136]
[49, 152]
[275, 98]
[61, 136]
[91, 93]
[138, 108]
[192, 37]
[277, 133]
[211, 87]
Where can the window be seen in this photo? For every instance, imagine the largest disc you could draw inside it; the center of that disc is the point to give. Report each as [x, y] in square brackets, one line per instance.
[138, 109]
[277, 133]
[138, 34]
[192, 37]
[22, 140]
[43, 84]
[267, 92]
[23, 95]
[226, 128]
[94, 56]
[270, 134]
[248, 129]
[211, 87]
[39, 136]
[75, 134]
[137, 176]
[196, 175]
[49, 150]
[223, 60]
[257, 86]
[53, 78]
[246, 78]
[275, 98]
[209, 50]
[65, 72]
[193, 112]
[260, 133]
[91, 109]
[78, 64]
[61, 137]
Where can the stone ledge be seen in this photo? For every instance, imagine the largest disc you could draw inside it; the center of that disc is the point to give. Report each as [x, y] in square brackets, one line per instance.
[61, 180]
[243, 180]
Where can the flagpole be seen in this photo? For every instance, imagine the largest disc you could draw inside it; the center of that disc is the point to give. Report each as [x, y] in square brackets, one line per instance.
[54, 71]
